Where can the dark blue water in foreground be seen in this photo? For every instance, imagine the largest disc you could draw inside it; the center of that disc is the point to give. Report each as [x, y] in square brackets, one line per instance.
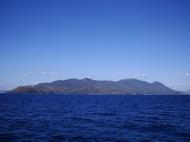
[57, 118]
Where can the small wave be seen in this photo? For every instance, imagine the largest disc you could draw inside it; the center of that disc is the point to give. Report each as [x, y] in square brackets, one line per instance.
[106, 113]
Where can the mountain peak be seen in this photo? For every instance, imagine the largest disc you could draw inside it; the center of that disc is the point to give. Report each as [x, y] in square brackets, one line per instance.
[157, 83]
[87, 79]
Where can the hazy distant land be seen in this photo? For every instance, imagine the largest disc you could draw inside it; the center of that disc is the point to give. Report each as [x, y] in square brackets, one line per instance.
[90, 86]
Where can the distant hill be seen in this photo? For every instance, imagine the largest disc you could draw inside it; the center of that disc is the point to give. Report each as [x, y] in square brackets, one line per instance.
[90, 86]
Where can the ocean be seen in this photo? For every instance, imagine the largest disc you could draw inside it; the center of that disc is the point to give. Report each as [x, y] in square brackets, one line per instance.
[94, 118]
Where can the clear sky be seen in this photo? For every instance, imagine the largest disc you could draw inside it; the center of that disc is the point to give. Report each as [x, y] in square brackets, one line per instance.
[46, 40]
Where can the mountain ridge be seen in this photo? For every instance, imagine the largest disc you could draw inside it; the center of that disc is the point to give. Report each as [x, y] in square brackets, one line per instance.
[91, 86]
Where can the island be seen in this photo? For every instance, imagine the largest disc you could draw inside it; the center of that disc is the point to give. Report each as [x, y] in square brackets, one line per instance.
[96, 87]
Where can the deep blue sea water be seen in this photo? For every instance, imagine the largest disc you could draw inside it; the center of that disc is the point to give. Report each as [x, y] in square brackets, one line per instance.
[86, 118]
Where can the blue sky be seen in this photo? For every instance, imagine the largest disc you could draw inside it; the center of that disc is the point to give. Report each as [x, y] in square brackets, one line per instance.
[46, 40]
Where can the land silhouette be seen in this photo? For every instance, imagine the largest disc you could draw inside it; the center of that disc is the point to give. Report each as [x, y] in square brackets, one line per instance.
[90, 86]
